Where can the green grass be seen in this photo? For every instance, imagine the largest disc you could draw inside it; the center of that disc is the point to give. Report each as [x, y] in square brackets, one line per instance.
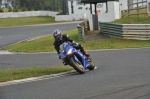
[8, 22]
[45, 44]
[15, 74]
[125, 14]
[134, 19]
[114, 43]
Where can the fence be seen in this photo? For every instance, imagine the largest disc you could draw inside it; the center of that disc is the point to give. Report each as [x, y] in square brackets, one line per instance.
[126, 31]
[135, 7]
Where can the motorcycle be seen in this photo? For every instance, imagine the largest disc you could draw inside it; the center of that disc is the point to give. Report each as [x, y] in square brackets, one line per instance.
[75, 58]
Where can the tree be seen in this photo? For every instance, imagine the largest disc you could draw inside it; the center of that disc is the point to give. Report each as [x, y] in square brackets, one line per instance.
[53, 5]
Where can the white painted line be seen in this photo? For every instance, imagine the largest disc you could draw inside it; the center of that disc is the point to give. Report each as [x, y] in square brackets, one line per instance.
[37, 78]
[38, 37]
[46, 24]
[117, 49]
[5, 52]
[29, 39]
[86, 50]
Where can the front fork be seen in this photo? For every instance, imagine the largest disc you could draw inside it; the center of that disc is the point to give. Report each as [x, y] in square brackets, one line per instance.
[84, 61]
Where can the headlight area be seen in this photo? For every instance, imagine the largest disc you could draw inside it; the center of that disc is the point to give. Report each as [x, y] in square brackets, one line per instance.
[70, 51]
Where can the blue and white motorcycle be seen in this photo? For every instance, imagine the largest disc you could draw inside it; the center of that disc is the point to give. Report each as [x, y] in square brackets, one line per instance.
[75, 58]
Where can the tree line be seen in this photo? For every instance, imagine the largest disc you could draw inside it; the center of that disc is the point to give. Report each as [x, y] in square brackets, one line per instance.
[33, 5]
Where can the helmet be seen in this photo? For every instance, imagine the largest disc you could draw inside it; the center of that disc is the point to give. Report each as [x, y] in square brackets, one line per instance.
[57, 35]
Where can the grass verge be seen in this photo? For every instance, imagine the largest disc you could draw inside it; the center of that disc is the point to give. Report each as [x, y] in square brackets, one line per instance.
[134, 19]
[8, 22]
[45, 44]
[15, 74]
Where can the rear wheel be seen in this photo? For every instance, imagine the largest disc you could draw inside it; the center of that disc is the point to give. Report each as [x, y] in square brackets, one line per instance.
[77, 66]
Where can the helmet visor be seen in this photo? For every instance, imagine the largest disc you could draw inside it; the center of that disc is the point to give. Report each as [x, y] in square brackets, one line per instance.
[57, 37]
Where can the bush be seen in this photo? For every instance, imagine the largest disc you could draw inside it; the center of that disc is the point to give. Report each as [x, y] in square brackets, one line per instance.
[15, 10]
[9, 10]
[19, 10]
[24, 9]
[1, 10]
[5, 10]
[35, 8]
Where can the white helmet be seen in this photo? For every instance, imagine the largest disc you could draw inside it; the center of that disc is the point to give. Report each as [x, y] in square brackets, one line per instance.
[57, 34]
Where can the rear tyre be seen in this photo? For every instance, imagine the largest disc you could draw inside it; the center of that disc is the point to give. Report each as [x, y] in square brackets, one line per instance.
[77, 66]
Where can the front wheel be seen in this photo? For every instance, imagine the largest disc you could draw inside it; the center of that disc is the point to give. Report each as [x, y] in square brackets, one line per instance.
[77, 66]
[92, 65]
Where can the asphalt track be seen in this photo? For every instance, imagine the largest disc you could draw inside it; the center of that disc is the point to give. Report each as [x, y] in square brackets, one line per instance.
[13, 35]
[120, 74]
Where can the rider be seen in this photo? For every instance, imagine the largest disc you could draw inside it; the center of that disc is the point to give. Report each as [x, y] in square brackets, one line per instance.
[61, 38]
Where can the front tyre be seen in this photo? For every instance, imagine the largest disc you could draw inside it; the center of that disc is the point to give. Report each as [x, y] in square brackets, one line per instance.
[92, 65]
[77, 66]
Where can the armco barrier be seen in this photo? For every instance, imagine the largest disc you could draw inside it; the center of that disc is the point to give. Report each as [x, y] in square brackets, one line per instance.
[126, 31]
[136, 31]
[111, 29]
